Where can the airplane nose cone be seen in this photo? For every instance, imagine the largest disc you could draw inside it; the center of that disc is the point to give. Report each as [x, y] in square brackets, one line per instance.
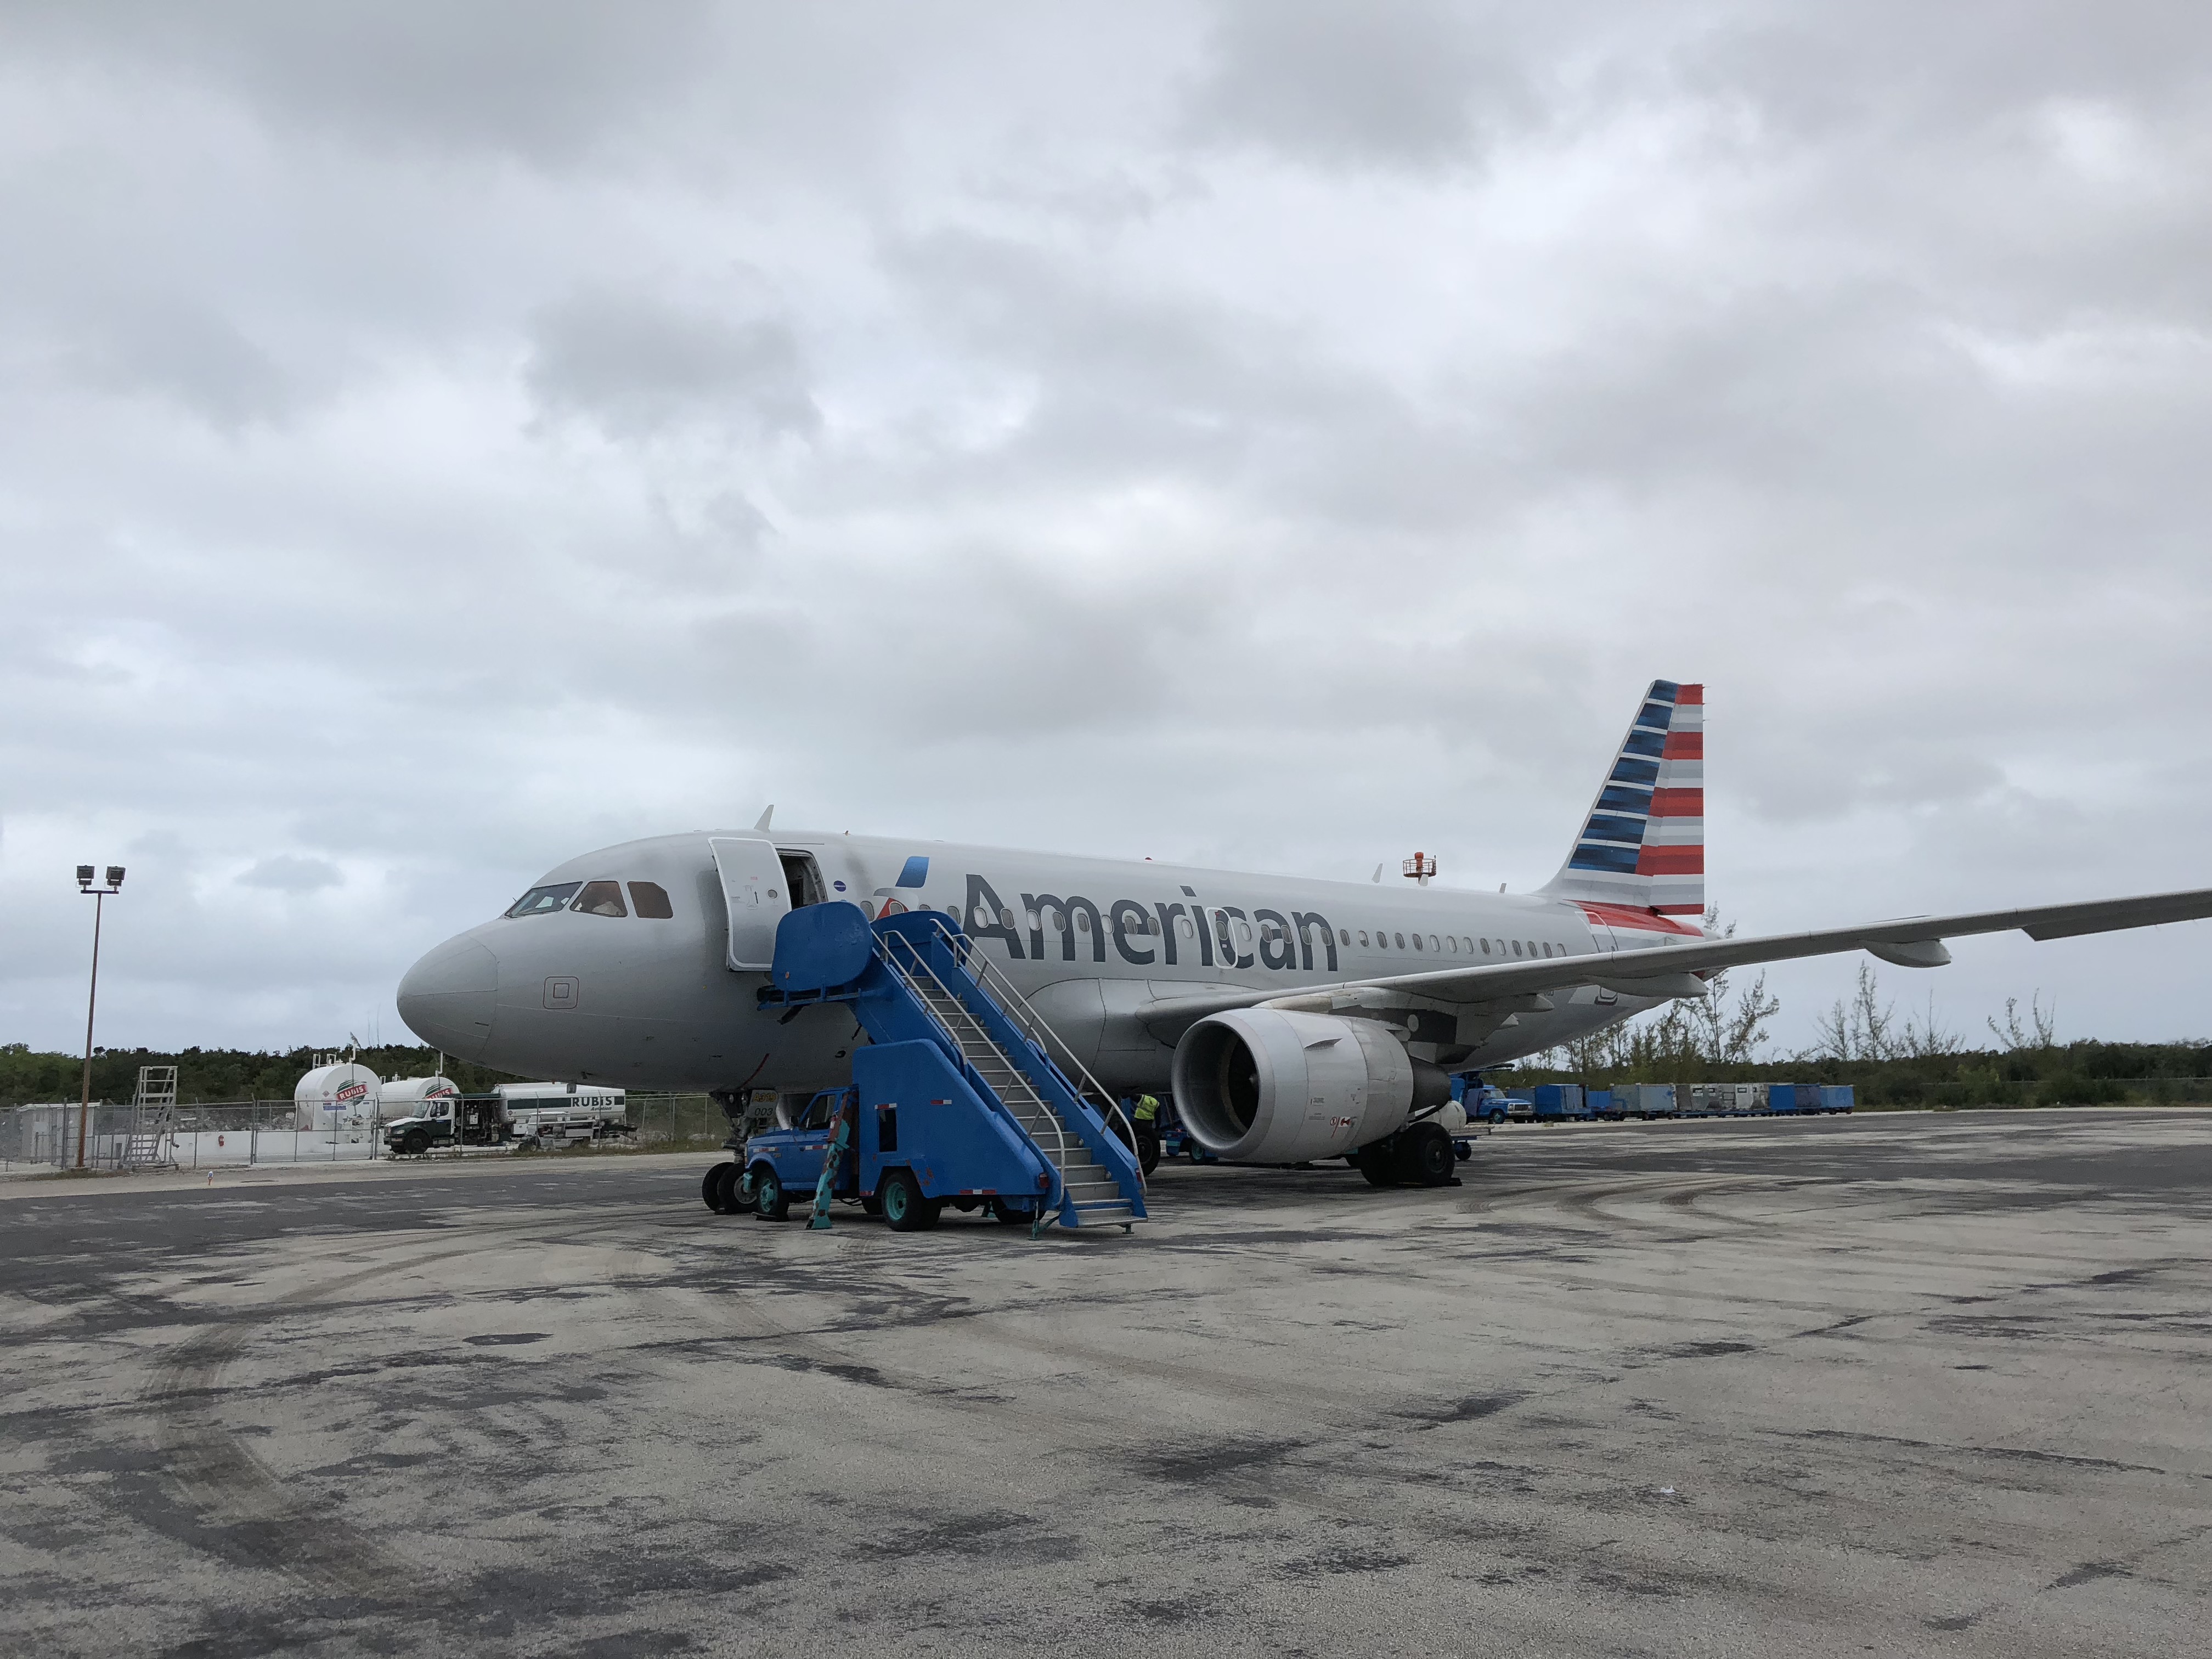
[447, 998]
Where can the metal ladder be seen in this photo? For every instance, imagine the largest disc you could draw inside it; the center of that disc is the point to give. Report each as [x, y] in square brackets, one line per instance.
[1092, 1195]
[146, 1146]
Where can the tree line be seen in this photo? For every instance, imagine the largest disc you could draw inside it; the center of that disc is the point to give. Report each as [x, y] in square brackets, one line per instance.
[1891, 1060]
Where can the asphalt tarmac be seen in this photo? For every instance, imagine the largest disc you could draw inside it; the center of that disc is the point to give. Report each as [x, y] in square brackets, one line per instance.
[1896, 1384]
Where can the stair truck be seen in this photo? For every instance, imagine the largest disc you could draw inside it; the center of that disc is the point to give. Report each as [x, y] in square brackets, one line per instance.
[955, 1102]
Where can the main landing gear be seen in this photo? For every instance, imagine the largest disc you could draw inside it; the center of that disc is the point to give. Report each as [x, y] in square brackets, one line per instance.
[1419, 1156]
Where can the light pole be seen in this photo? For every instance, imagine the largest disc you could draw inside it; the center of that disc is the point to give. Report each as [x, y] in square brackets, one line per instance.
[99, 897]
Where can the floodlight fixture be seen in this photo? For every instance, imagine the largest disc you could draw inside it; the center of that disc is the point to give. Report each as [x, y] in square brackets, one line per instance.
[84, 875]
[115, 875]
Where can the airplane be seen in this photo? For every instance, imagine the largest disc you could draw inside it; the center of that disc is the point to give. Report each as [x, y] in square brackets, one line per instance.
[1289, 1019]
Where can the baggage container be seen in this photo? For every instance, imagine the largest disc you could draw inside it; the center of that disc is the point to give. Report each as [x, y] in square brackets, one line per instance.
[1603, 1103]
[1750, 1099]
[1648, 1099]
[1837, 1097]
[1559, 1100]
[1712, 1100]
[1787, 1098]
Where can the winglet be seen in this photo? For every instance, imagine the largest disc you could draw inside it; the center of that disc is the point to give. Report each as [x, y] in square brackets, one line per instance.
[763, 825]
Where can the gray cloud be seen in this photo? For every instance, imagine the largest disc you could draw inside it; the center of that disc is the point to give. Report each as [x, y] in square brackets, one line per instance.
[436, 445]
[546, 78]
[283, 873]
[636, 365]
[1390, 84]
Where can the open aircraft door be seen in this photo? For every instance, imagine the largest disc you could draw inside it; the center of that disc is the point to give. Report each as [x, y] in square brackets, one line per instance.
[752, 889]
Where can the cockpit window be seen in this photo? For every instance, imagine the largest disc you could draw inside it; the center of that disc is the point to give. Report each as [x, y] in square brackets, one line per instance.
[544, 901]
[650, 900]
[601, 898]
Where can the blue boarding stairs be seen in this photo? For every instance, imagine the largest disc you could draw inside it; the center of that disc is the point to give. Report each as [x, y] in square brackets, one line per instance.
[957, 1097]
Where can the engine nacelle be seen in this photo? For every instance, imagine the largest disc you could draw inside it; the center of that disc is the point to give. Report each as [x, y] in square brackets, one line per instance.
[1260, 1085]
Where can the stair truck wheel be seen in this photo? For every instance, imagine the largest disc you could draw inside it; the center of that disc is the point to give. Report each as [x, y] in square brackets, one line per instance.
[1424, 1156]
[710, 1189]
[1376, 1163]
[904, 1206]
[1007, 1216]
[770, 1201]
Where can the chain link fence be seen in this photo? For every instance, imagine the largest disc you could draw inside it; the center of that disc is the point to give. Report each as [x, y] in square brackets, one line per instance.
[252, 1132]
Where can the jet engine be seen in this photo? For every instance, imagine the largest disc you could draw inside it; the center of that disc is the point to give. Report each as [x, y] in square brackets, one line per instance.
[1262, 1086]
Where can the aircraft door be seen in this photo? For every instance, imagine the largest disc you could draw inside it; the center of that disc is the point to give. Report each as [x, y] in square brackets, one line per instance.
[753, 890]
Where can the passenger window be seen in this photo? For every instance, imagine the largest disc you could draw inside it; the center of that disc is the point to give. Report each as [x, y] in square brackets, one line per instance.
[1344, 937]
[1454, 946]
[1362, 939]
[650, 900]
[1485, 947]
[1400, 938]
[1433, 945]
[544, 901]
[601, 898]
[1417, 941]
[1516, 947]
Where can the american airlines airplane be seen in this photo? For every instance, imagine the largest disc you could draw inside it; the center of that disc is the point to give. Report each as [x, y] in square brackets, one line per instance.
[1292, 1019]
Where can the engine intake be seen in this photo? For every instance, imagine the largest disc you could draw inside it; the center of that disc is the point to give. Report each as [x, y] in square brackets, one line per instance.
[1262, 1086]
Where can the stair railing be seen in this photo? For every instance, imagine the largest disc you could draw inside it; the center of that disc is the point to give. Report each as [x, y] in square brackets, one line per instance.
[907, 977]
[1032, 1024]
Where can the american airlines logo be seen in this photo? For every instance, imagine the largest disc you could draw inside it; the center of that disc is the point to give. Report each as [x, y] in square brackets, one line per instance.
[1142, 934]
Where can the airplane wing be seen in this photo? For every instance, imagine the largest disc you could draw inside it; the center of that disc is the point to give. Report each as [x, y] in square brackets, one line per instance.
[1672, 967]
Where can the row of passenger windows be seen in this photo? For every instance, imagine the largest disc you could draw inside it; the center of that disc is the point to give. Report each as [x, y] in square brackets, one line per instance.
[648, 899]
[1454, 945]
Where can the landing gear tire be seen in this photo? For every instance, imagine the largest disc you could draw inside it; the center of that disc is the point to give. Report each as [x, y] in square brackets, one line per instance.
[1424, 1156]
[714, 1188]
[735, 1194]
[1148, 1150]
[770, 1201]
[1376, 1163]
[904, 1207]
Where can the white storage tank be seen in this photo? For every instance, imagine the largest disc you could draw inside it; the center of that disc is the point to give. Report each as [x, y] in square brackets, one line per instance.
[403, 1096]
[331, 1097]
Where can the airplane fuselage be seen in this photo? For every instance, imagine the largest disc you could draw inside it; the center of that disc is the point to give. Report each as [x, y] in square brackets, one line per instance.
[650, 1002]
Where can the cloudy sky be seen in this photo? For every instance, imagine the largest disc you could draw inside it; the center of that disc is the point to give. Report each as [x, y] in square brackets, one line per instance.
[436, 439]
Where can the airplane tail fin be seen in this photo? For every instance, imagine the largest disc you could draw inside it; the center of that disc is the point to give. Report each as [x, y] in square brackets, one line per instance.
[1644, 843]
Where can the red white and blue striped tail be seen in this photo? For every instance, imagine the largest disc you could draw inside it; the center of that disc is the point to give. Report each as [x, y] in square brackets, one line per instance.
[1644, 845]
